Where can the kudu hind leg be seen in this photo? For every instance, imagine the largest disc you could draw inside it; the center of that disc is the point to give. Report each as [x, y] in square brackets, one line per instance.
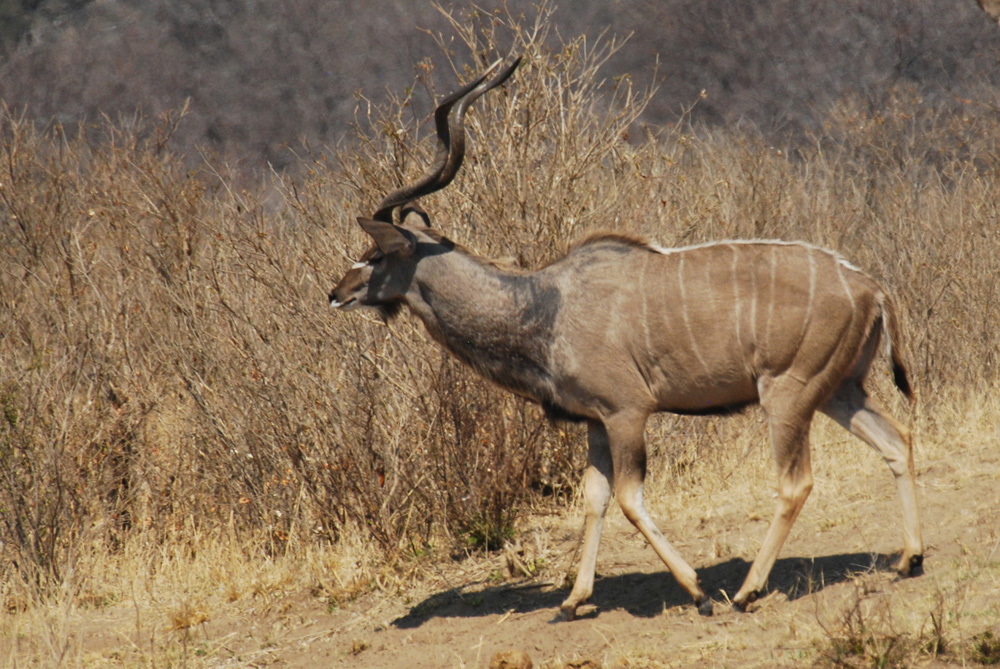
[629, 452]
[597, 494]
[853, 409]
[790, 440]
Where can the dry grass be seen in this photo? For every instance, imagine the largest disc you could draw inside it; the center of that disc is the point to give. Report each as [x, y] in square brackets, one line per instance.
[187, 428]
[174, 602]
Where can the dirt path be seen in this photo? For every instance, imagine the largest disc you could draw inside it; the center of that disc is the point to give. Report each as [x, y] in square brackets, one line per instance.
[467, 612]
[826, 586]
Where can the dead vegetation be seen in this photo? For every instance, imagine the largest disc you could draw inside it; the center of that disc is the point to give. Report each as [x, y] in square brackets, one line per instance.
[178, 399]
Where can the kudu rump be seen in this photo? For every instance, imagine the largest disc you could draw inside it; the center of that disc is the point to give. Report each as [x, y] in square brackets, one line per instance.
[619, 329]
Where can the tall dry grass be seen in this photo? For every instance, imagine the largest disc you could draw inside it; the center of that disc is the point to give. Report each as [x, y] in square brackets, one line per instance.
[170, 367]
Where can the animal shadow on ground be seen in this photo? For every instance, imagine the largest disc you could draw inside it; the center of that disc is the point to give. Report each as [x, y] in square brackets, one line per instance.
[647, 595]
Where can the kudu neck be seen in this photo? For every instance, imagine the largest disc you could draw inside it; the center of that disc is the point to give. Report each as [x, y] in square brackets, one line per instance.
[498, 321]
[461, 290]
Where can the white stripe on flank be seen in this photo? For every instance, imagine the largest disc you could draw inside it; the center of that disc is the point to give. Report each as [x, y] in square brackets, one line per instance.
[754, 332]
[687, 319]
[736, 299]
[812, 293]
[645, 310]
[770, 304]
[359, 265]
[886, 336]
[847, 289]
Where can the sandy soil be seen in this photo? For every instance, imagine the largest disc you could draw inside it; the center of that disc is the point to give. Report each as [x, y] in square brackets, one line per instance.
[463, 613]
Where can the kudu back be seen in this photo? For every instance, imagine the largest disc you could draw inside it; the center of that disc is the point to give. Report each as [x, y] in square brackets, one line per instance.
[620, 328]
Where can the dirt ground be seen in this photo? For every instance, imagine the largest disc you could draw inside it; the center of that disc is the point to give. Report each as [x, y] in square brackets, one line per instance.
[464, 613]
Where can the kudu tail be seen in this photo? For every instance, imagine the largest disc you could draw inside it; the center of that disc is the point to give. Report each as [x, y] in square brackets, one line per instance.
[894, 347]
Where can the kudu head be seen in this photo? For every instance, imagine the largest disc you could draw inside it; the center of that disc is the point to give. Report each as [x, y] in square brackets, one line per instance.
[384, 273]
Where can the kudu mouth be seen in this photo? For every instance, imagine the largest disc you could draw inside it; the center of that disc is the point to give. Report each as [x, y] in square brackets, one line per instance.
[345, 305]
[343, 298]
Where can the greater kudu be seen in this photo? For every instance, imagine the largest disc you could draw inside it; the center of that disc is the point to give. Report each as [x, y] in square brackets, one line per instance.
[620, 328]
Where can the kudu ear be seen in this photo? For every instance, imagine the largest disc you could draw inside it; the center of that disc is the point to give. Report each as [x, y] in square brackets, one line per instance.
[388, 238]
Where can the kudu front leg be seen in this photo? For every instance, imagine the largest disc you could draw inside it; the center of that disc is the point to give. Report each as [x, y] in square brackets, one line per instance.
[628, 449]
[596, 494]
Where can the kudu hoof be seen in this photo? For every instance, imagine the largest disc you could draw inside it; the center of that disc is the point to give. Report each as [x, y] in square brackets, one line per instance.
[567, 612]
[742, 604]
[914, 566]
[704, 606]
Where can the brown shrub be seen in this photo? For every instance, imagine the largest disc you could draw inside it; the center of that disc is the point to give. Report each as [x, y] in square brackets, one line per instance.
[169, 358]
